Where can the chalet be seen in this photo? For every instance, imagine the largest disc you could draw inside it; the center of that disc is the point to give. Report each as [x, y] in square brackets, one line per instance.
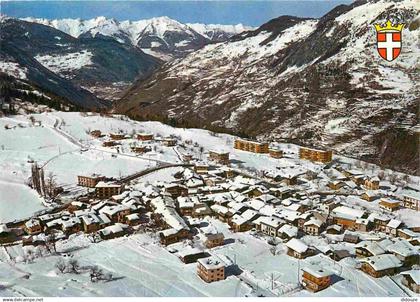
[328, 205]
[372, 183]
[297, 248]
[379, 221]
[363, 225]
[270, 225]
[211, 269]
[113, 231]
[140, 149]
[251, 146]
[239, 223]
[107, 189]
[132, 219]
[33, 226]
[404, 251]
[170, 236]
[222, 213]
[6, 235]
[389, 205]
[350, 238]
[213, 240]
[370, 248]
[186, 205]
[392, 227]
[96, 133]
[411, 200]
[281, 192]
[116, 213]
[89, 181]
[369, 196]
[201, 168]
[176, 190]
[346, 217]
[76, 206]
[70, 225]
[90, 223]
[275, 153]
[145, 136]
[334, 229]
[411, 279]
[255, 191]
[407, 234]
[109, 143]
[313, 227]
[201, 210]
[191, 255]
[220, 157]
[338, 255]
[381, 265]
[117, 136]
[287, 232]
[315, 155]
[315, 278]
[359, 179]
[335, 184]
[169, 142]
[187, 157]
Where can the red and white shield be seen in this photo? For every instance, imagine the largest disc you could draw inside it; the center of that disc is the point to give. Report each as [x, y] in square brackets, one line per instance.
[389, 44]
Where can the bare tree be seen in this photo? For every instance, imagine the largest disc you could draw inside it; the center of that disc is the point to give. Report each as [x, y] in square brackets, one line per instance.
[51, 186]
[50, 243]
[95, 274]
[74, 266]
[61, 266]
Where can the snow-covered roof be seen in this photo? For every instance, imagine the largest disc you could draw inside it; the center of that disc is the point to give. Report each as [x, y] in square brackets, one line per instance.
[289, 230]
[271, 221]
[394, 223]
[90, 219]
[133, 216]
[114, 229]
[189, 251]
[317, 271]
[32, 222]
[297, 245]
[414, 274]
[219, 209]
[347, 213]
[402, 247]
[373, 247]
[313, 221]
[104, 184]
[239, 220]
[211, 263]
[4, 228]
[382, 262]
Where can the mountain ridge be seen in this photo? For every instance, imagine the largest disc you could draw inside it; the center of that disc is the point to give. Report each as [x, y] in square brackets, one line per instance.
[312, 81]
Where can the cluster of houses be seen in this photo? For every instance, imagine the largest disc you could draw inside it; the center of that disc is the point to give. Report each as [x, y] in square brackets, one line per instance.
[144, 140]
[283, 204]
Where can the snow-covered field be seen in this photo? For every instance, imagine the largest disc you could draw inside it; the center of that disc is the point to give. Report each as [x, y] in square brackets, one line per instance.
[141, 267]
[67, 62]
[17, 201]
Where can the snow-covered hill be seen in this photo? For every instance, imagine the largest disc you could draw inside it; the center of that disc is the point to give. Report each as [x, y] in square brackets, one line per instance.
[319, 82]
[161, 36]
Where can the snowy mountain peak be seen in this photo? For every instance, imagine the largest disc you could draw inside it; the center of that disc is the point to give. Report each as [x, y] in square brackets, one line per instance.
[161, 37]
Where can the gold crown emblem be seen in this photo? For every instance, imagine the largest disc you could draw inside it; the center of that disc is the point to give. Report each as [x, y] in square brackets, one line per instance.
[389, 27]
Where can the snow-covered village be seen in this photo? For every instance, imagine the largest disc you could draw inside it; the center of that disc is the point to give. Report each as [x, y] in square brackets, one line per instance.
[220, 149]
[118, 207]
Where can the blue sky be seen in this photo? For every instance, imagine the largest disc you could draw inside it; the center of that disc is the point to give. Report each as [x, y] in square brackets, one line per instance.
[251, 12]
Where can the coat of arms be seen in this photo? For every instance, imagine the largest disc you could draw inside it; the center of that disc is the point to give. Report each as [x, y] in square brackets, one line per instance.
[389, 40]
